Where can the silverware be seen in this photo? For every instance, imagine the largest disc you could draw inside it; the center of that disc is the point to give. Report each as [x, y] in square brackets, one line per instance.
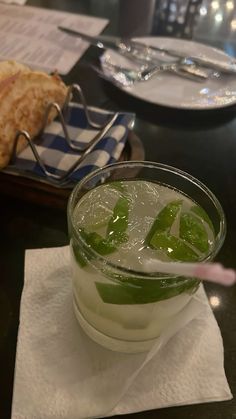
[183, 67]
[127, 77]
[142, 52]
[229, 67]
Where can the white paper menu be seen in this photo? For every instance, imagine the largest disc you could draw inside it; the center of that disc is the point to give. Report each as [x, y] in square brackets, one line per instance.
[20, 2]
[30, 35]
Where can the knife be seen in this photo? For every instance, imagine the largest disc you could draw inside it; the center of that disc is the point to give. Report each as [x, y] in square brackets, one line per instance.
[142, 52]
[105, 42]
[101, 41]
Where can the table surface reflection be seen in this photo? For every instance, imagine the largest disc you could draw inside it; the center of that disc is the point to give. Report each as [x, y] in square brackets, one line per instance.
[201, 143]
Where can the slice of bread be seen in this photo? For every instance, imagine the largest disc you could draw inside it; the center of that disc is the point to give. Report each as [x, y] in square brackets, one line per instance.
[24, 97]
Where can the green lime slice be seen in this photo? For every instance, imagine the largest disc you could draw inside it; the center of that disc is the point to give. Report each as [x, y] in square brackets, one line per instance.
[115, 235]
[193, 231]
[102, 217]
[93, 210]
[174, 247]
[164, 219]
[203, 215]
[78, 256]
[118, 223]
[98, 243]
[144, 291]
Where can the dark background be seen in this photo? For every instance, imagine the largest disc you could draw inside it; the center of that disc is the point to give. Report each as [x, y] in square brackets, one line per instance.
[203, 143]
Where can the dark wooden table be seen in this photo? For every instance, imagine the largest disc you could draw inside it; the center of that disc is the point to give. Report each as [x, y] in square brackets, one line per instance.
[202, 143]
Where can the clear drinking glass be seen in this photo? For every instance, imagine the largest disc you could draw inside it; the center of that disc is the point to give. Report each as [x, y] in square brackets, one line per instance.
[121, 216]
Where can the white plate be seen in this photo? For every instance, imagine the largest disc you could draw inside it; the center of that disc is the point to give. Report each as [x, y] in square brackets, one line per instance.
[173, 91]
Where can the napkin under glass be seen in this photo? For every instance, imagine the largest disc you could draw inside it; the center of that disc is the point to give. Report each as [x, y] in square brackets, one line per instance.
[61, 373]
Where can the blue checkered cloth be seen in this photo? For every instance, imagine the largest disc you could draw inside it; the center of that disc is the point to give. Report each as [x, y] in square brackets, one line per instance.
[58, 157]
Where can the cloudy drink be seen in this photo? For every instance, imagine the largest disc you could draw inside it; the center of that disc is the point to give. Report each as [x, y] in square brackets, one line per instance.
[119, 226]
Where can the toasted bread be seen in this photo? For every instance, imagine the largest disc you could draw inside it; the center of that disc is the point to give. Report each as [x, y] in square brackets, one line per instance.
[24, 97]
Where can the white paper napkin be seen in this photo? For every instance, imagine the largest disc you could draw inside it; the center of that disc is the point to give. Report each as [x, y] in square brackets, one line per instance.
[61, 373]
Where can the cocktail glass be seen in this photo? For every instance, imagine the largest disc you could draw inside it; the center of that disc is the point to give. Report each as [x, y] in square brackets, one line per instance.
[118, 218]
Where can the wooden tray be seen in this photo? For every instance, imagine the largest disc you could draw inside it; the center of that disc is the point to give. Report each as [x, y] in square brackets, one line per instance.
[50, 196]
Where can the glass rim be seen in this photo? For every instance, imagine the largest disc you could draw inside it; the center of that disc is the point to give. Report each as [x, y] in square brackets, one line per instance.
[219, 238]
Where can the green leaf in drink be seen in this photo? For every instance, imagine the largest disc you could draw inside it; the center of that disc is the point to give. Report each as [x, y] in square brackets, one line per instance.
[143, 291]
[115, 235]
[118, 223]
[164, 220]
[78, 256]
[193, 231]
[97, 242]
[174, 247]
[203, 215]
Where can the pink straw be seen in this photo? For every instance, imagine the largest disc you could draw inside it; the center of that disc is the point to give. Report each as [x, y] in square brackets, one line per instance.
[214, 272]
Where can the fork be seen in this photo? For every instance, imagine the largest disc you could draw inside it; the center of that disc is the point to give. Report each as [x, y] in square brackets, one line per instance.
[126, 77]
[182, 67]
